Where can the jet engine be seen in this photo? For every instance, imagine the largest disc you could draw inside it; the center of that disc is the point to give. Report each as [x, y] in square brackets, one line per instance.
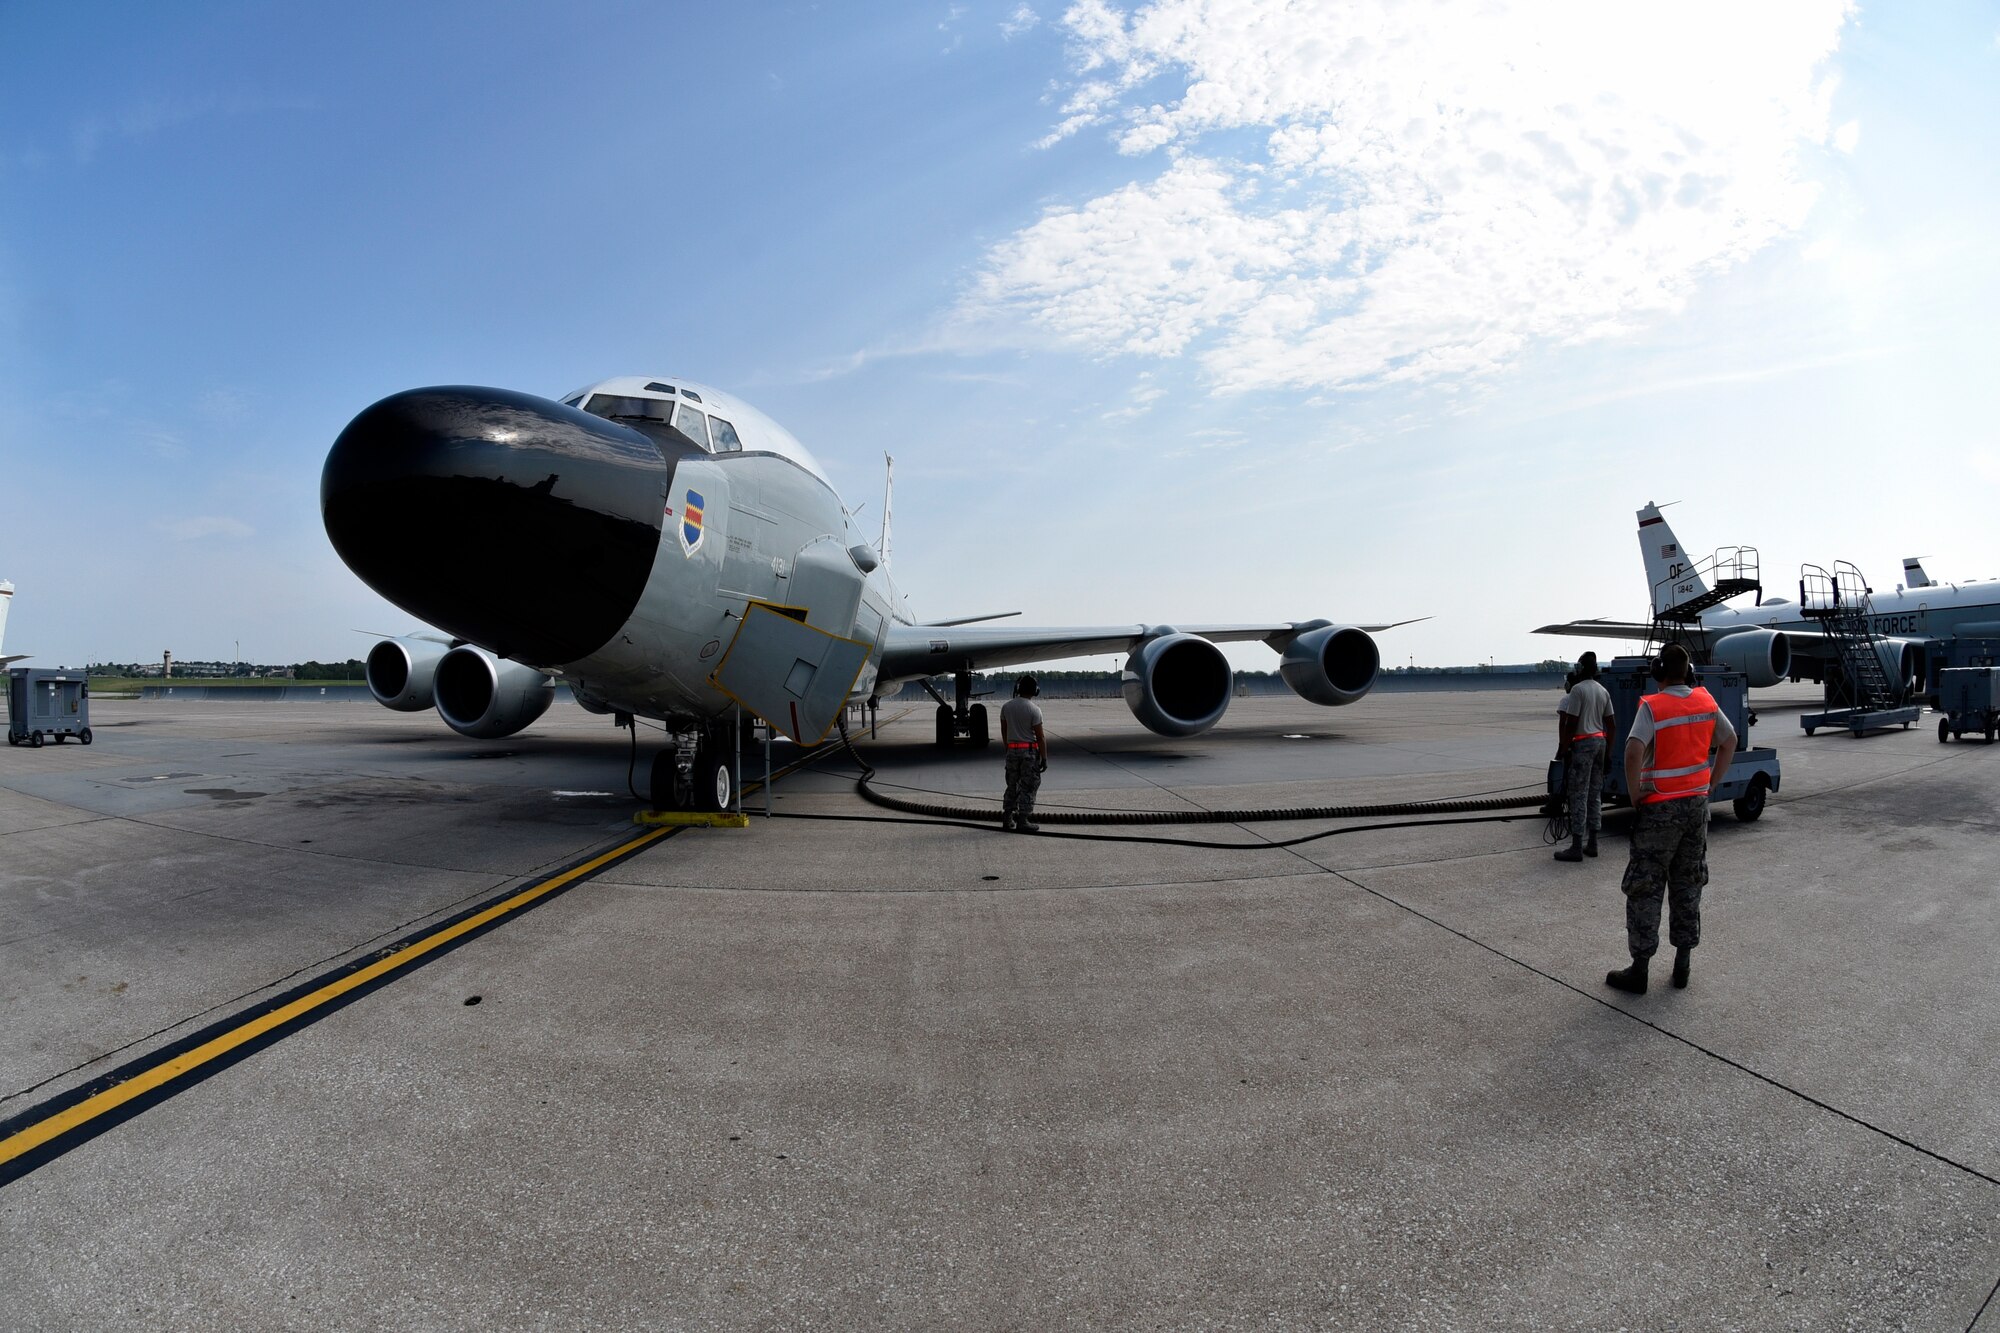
[1902, 663]
[1331, 665]
[1177, 684]
[485, 697]
[1763, 655]
[401, 671]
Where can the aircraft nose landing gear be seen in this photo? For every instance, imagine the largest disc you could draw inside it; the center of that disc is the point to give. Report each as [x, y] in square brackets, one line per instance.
[696, 770]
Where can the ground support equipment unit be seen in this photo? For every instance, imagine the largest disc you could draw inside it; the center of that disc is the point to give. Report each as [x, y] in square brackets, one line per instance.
[1753, 770]
[1838, 600]
[1961, 650]
[44, 706]
[1969, 701]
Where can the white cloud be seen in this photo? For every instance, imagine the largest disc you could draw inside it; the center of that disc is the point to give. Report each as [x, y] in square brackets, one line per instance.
[1022, 20]
[1432, 187]
[208, 525]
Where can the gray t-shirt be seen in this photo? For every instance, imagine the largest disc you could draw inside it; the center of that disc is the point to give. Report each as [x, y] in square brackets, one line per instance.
[1018, 719]
[1590, 703]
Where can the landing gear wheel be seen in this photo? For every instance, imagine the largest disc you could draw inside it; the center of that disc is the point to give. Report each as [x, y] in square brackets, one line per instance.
[714, 780]
[84, 735]
[982, 735]
[668, 790]
[1944, 730]
[1751, 803]
[947, 729]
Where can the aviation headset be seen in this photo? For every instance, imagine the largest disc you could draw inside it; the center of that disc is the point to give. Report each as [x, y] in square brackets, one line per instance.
[1027, 686]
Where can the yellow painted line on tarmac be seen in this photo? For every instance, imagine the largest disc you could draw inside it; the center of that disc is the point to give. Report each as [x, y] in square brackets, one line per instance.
[45, 1131]
[691, 819]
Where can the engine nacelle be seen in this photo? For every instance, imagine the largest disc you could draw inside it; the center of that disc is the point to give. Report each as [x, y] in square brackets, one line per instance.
[482, 696]
[1902, 663]
[1177, 684]
[1331, 665]
[1764, 656]
[401, 672]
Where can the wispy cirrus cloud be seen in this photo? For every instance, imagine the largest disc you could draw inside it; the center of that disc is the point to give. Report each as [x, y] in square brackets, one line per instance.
[1430, 188]
[141, 121]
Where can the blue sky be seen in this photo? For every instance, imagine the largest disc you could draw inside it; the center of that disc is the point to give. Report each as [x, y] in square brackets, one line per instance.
[1169, 312]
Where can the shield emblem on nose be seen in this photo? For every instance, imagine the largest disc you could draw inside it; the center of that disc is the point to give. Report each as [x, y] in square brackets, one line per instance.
[691, 524]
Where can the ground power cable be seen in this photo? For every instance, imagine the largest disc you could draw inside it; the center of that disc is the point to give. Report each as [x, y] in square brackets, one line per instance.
[982, 817]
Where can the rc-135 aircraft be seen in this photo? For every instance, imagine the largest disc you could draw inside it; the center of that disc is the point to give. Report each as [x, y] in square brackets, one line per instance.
[670, 552]
[1772, 641]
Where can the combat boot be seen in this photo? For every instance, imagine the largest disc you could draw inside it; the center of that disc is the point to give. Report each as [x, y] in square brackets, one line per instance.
[1573, 852]
[1631, 980]
[1007, 822]
[1682, 958]
[1029, 826]
[1590, 845]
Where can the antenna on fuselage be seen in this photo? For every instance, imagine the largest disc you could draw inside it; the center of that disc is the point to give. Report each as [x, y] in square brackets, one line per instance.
[888, 492]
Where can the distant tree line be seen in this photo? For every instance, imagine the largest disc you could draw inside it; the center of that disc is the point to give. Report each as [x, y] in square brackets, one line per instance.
[353, 669]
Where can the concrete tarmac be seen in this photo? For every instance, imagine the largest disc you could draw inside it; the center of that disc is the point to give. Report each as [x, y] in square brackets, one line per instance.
[825, 1074]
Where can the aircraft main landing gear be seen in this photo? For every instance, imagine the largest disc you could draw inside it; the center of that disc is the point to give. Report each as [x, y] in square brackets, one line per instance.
[965, 720]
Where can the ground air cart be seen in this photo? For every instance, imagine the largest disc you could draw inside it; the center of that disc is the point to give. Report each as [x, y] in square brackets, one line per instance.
[1968, 700]
[45, 706]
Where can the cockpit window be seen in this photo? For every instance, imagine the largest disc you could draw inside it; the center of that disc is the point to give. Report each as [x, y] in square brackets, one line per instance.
[616, 406]
[725, 437]
[690, 395]
[691, 423]
[573, 400]
[657, 387]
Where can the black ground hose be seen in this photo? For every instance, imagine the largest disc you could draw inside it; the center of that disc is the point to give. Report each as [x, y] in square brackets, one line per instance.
[978, 814]
[1276, 844]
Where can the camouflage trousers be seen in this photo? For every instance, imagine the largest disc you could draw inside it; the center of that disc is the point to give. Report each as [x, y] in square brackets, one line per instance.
[1583, 782]
[1024, 779]
[1669, 861]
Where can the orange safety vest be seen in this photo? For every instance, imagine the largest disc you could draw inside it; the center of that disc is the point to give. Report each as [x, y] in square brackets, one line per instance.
[1683, 731]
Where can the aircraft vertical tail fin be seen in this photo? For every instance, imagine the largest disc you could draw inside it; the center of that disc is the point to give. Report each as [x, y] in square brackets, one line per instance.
[1669, 571]
[6, 600]
[1913, 573]
[888, 494]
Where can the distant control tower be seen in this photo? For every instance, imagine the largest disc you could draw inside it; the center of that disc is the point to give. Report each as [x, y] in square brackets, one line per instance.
[167, 665]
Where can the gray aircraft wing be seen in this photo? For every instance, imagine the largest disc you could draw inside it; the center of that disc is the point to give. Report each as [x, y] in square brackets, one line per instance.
[1599, 629]
[929, 650]
[1814, 643]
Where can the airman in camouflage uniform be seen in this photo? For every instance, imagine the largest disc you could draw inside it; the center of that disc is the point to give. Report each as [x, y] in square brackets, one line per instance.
[1582, 733]
[1679, 745]
[1027, 756]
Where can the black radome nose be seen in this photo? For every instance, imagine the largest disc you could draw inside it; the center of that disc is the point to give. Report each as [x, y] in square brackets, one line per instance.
[519, 524]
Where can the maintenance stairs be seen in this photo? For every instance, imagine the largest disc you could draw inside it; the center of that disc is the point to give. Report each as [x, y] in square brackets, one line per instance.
[1838, 600]
[1730, 572]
